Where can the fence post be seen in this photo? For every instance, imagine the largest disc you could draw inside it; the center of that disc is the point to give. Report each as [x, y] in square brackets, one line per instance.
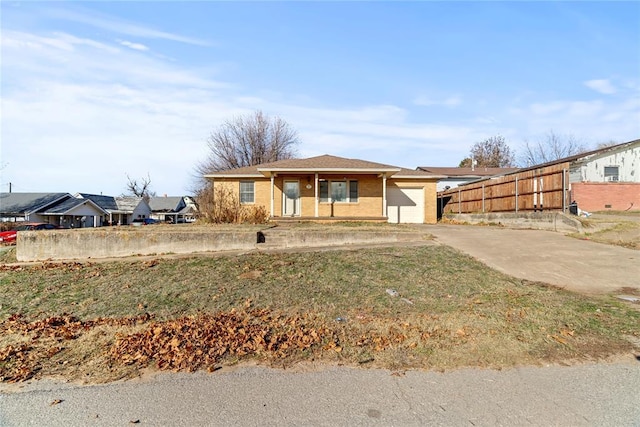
[482, 198]
[459, 201]
[564, 191]
[516, 193]
[535, 192]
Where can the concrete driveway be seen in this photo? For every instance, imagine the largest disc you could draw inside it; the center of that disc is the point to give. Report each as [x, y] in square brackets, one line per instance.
[546, 256]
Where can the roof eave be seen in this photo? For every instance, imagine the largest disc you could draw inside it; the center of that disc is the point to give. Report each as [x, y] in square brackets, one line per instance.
[236, 175]
[428, 177]
[269, 171]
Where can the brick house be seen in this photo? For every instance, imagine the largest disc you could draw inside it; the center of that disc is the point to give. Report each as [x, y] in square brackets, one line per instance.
[335, 188]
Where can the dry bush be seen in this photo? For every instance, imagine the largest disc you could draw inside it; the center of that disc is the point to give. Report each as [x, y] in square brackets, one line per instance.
[220, 205]
[256, 214]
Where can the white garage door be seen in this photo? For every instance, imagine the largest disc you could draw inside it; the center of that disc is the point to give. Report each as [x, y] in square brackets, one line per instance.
[405, 205]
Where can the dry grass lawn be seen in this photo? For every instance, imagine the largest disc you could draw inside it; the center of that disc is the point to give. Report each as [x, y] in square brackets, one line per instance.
[425, 307]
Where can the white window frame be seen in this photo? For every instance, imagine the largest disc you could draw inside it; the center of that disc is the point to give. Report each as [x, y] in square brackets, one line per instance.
[246, 193]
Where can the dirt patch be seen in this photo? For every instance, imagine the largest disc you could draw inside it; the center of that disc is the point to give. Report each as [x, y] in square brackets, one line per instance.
[620, 229]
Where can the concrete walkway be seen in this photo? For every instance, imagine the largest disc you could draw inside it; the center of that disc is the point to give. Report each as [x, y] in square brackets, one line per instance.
[545, 256]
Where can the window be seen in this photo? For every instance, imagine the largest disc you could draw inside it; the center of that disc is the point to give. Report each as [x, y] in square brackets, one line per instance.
[353, 191]
[341, 191]
[324, 191]
[247, 192]
[611, 173]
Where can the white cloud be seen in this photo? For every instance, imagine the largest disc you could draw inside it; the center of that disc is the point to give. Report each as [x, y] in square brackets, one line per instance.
[590, 121]
[119, 26]
[451, 101]
[602, 86]
[134, 46]
[102, 110]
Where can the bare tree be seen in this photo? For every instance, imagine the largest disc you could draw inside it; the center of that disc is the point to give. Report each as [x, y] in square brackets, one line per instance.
[249, 140]
[242, 141]
[493, 152]
[549, 148]
[140, 188]
[606, 144]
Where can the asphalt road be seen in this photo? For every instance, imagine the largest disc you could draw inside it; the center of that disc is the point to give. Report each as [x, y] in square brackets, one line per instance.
[584, 395]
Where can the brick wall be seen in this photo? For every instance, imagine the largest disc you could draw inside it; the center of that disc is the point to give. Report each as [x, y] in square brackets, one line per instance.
[592, 197]
[369, 195]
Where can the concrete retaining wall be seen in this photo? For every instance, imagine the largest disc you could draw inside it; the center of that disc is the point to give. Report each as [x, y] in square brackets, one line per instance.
[285, 238]
[554, 221]
[83, 244]
[110, 242]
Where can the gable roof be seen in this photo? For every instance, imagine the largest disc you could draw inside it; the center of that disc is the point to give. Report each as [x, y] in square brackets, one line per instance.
[325, 163]
[166, 204]
[25, 203]
[123, 204]
[70, 204]
[128, 204]
[105, 202]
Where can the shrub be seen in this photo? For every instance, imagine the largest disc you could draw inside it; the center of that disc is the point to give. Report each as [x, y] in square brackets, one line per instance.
[220, 205]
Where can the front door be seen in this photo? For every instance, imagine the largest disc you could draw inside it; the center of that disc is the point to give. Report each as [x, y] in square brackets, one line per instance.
[291, 198]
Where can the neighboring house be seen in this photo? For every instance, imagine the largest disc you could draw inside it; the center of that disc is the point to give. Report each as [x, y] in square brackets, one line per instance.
[172, 209]
[27, 206]
[608, 178]
[75, 213]
[60, 209]
[329, 187]
[457, 176]
[119, 210]
[604, 179]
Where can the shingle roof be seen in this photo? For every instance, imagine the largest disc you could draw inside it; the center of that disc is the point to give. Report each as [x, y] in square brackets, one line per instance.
[165, 204]
[22, 203]
[123, 204]
[105, 202]
[324, 163]
[127, 204]
[68, 205]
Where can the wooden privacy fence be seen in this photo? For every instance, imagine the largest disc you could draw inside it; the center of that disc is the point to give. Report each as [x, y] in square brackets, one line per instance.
[532, 190]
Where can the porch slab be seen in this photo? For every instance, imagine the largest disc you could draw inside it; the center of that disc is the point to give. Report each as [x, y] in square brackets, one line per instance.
[327, 219]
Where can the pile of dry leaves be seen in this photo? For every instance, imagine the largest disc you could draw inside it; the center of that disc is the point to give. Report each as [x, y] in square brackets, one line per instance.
[201, 342]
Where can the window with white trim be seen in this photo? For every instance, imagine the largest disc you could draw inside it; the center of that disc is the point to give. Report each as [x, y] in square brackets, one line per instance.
[247, 194]
[339, 191]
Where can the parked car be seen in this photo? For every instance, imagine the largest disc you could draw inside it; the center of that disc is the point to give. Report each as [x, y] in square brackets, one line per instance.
[11, 235]
[143, 221]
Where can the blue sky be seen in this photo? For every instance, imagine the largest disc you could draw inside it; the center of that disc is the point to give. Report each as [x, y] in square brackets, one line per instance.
[93, 91]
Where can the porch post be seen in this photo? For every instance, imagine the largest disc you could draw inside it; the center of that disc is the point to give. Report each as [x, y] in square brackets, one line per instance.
[272, 192]
[315, 186]
[384, 194]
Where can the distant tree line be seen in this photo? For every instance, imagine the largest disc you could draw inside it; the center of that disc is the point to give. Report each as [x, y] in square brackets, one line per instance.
[494, 152]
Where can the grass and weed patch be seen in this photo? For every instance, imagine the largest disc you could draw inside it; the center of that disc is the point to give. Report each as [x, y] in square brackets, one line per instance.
[397, 307]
